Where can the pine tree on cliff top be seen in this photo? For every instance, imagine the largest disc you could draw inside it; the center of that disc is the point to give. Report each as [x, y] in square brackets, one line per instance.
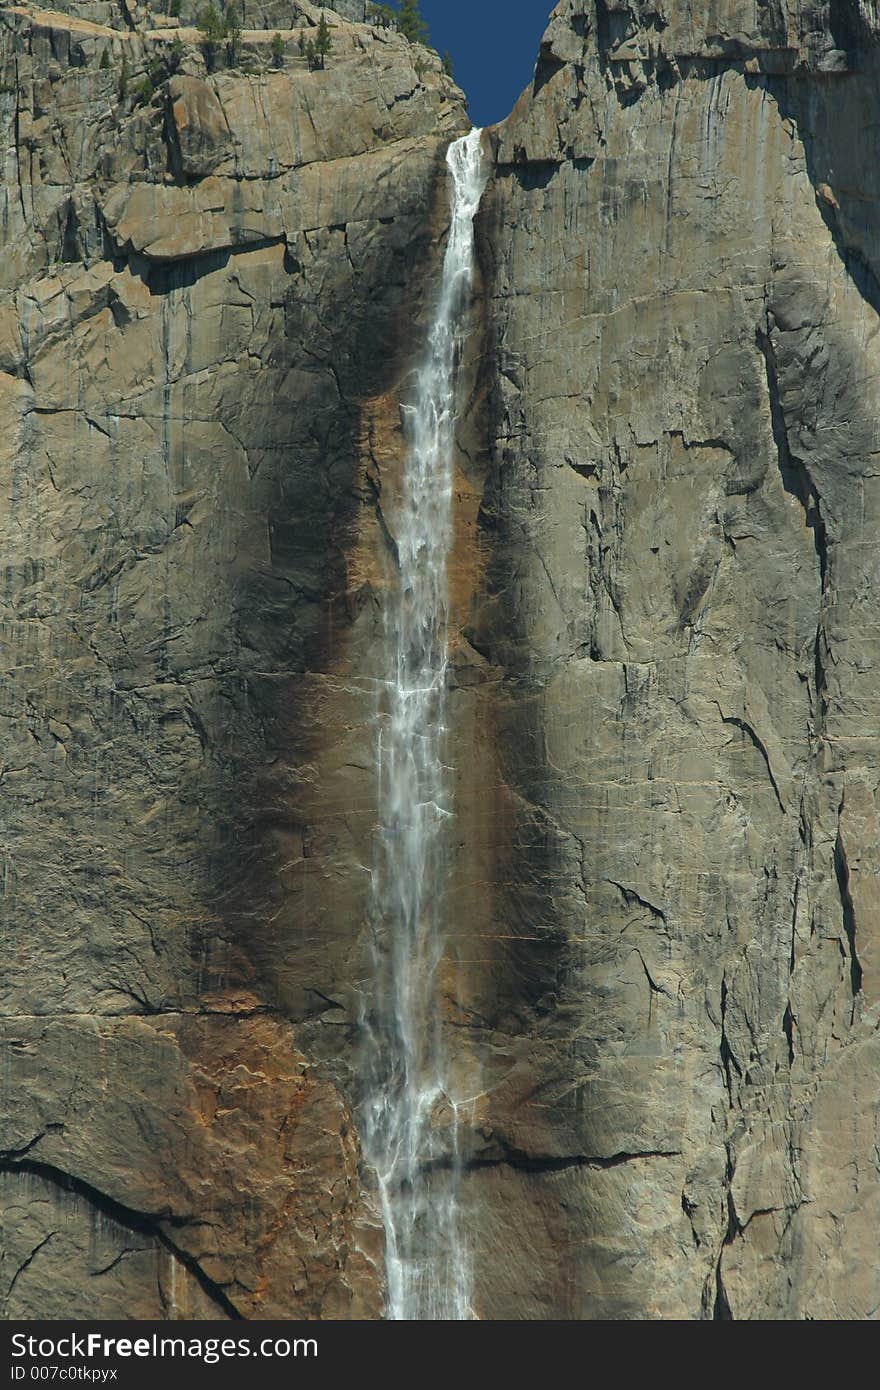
[410, 22]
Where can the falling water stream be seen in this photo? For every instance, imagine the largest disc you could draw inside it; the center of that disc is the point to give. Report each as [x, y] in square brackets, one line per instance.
[410, 1120]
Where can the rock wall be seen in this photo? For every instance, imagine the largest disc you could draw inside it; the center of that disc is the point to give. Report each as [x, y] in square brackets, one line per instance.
[199, 291]
[681, 595]
[664, 935]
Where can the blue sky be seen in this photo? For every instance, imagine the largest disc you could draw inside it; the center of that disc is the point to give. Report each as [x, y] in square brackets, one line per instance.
[493, 45]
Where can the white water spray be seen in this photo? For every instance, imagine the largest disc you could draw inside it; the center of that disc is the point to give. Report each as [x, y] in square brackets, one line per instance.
[410, 1119]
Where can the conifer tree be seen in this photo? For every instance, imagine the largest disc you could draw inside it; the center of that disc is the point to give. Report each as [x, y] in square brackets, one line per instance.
[213, 30]
[233, 36]
[156, 73]
[323, 42]
[410, 22]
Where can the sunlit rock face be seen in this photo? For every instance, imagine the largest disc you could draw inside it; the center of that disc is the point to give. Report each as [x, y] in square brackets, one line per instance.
[681, 519]
[661, 986]
[201, 290]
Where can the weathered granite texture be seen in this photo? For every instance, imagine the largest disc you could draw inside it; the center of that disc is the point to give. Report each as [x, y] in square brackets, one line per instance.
[681, 518]
[151, 15]
[198, 289]
[663, 709]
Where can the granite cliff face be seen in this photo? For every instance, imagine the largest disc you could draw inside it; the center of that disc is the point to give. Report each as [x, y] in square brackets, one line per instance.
[198, 290]
[663, 706]
[681, 520]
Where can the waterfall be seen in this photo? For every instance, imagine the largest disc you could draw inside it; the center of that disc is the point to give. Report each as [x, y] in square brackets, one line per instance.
[410, 1122]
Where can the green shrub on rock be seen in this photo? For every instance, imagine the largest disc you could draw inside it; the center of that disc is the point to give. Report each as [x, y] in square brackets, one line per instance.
[381, 15]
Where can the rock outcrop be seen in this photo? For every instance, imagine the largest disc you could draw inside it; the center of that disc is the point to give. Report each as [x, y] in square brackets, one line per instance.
[664, 702]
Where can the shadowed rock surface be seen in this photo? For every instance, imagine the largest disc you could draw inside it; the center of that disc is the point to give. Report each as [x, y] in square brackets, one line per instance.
[664, 709]
[199, 288]
[681, 519]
